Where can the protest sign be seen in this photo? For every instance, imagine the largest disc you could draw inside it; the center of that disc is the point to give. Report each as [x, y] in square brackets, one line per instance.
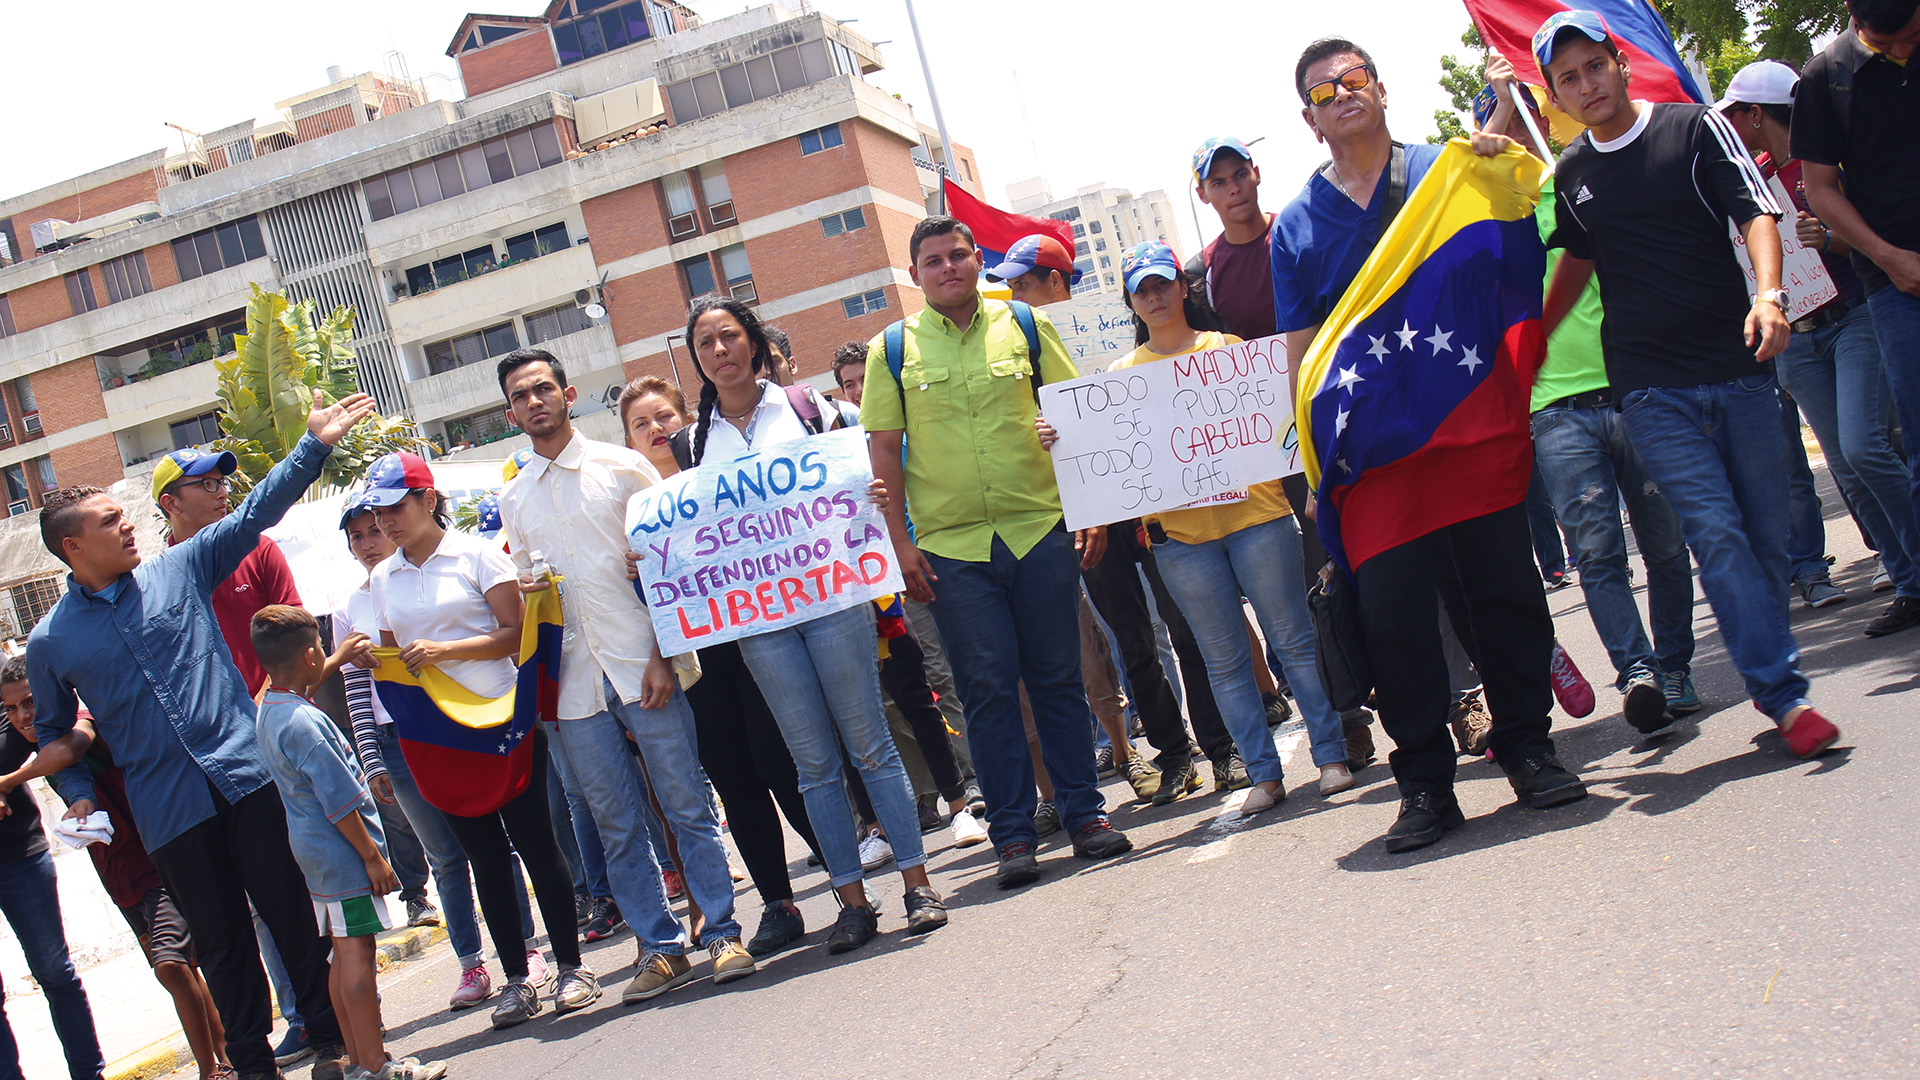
[1802, 273]
[1176, 432]
[1097, 329]
[781, 536]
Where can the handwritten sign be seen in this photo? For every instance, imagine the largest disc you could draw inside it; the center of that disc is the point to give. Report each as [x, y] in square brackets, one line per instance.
[1802, 273]
[1172, 433]
[1097, 329]
[781, 536]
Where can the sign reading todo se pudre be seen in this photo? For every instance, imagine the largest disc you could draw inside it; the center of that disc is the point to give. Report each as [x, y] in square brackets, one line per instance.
[1184, 430]
[780, 536]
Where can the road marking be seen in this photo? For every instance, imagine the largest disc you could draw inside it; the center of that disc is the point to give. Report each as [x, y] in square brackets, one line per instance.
[1226, 825]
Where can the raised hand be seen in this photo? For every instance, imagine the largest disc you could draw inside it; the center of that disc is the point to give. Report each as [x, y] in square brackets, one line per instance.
[330, 423]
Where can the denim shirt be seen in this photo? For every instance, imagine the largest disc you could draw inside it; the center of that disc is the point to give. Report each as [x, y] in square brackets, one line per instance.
[155, 672]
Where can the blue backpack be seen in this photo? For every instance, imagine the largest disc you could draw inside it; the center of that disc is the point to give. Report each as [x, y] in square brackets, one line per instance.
[895, 340]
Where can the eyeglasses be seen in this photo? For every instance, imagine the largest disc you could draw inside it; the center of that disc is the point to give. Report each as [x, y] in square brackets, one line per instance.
[1355, 78]
[212, 485]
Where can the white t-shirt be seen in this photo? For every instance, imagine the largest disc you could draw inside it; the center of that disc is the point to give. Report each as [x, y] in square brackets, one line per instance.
[445, 599]
[773, 422]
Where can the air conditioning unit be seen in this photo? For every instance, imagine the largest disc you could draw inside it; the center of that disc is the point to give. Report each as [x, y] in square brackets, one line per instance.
[684, 225]
[15, 509]
[744, 292]
[721, 212]
[6, 432]
[31, 422]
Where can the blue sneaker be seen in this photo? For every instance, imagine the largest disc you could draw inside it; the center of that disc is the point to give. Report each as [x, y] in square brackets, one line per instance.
[1681, 697]
[294, 1047]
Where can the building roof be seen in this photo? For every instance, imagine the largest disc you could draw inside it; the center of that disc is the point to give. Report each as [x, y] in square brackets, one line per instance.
[473, 18]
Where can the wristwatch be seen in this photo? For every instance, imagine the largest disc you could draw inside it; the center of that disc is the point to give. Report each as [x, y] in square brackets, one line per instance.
[1777, 297]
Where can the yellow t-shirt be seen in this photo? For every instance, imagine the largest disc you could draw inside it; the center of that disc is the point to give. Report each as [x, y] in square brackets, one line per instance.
[1199, 524]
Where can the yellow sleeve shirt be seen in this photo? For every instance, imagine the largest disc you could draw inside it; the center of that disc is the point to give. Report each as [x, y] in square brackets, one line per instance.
[975, 469]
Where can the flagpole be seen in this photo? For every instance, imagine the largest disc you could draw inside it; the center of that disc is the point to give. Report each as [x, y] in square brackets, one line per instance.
[1526, 117]
[939, 120]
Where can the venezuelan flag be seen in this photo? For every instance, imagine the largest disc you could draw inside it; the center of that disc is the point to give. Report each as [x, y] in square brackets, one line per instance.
[1412, 403]
[995, 230]
[471, 755]
[1507, 26]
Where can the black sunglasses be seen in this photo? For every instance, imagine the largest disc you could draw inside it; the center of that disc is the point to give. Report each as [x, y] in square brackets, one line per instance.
[1355, 78]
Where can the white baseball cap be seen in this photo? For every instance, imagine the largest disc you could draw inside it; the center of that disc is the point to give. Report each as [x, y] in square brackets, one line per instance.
[1763, 82]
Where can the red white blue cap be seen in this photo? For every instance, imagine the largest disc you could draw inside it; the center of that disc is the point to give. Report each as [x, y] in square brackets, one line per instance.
[1151, 259]
[355, 505]
[1588, 23]
[393, 476]
[1030, 253]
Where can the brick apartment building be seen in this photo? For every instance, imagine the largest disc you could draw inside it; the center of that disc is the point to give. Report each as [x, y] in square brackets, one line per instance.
[608, 162]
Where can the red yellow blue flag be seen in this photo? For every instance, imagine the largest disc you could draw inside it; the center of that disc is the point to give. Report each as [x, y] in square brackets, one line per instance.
[471, 755]
[1412, 402]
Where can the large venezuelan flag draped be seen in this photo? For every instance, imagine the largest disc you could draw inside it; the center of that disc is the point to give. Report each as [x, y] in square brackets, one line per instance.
[1412, 402]
[471, 755]
[995, 230]
[1507, 27]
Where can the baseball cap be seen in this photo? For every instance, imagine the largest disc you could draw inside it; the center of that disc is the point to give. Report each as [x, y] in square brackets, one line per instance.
[1034, 252]
[1763, 82]
[355, 505]
[1203, 157]
[511, 467]
[1486, 101]
[393, 476]
[1143, 261]
[1588, 23]
[192, 461]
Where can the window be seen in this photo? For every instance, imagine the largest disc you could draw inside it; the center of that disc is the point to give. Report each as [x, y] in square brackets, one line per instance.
[1093, 227]
[195, 430]
[480, 428]
[6, 318]
[866, 303]
[1100, 244]
[1079, 231]
[469, 169]
[556, 322]
[826, 138]
[844, 222]
[1109, 278]
[32, 600]
[733, 264]
[544, 240]
[757, 79]
[17, 488]
[1071, 213]
[471, 348]
[713, 187]
[1080, 248]
[1083, 266]
[1106, 261]
[698, 272]
[593, 32]
[126, 277]
[80, 292]
[218, 248]
[43, 474]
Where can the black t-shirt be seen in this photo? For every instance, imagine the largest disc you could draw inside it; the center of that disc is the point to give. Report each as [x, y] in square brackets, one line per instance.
[1651, 210]
[20, 832]
[1880, 149]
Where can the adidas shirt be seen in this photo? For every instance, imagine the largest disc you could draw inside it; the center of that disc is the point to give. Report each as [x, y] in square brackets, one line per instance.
[1651, 210]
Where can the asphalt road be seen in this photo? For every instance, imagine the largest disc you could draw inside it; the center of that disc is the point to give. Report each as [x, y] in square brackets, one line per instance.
[1715, 908]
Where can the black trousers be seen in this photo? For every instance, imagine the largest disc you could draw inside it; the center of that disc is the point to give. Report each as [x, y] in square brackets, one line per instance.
[1511, 640]
[903, 675]
[745, 756]
[525, 826]
[1315, 553]
[213, 869]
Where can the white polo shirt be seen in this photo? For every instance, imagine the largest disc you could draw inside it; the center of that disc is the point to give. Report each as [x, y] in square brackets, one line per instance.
[773, 421]
[445, 599]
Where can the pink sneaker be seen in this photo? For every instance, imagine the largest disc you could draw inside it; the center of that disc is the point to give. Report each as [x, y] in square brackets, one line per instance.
[539, 975]
[475, 987]
[1570, 688]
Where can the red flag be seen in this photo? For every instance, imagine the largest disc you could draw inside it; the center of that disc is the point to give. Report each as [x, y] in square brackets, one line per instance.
[995, 230]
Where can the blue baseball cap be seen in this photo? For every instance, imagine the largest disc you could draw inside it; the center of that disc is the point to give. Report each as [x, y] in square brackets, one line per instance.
[356, 504]
[1150, 259]
[1589, 23]
[488, 515]
[1038, 251]
[1203, 157]
[191, 461]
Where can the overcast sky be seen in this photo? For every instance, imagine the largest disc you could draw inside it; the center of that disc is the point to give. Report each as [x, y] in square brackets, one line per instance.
[1082, 92]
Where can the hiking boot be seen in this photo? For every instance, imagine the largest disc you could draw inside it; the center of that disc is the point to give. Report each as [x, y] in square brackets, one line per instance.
[579, 987]
[1902, 615]
[421, 912]
[1046, 819]
[1098, 839]
[731, 960]
[1678, 689]
[659, 973]
[1424, 816]
[855, 927]
[1177, 781]
[929, 809]
[1471, 724]
[475, 987]
[330, 1063]
[1645, 704]
[1808, 733]
[1230, 773]
[1144, 778]
[1357, 726]
[519, 1003]
[926, 912]
[780, 926]
[1103, 762]
[1819, 592]
[606, 920]
[1277, 708]
[1542, 781]
[1570, 688]
[1018, 866]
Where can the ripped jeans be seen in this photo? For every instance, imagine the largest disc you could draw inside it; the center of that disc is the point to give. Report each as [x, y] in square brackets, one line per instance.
[1584, 457]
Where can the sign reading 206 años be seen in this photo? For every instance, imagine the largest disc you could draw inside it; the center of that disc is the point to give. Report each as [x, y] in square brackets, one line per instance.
[781, 536]
[1176, 432]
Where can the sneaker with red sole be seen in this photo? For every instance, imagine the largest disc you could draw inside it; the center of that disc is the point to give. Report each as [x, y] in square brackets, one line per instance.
[1808, 733]
[1570, 688]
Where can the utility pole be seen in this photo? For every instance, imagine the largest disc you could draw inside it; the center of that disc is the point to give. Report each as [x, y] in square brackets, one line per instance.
[939, 120]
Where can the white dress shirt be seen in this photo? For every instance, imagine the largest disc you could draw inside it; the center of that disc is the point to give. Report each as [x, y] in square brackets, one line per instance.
[773, 421]
[445, 599]
[572, 509]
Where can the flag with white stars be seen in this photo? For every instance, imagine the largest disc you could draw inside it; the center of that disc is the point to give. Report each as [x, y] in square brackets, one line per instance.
[1413, 399]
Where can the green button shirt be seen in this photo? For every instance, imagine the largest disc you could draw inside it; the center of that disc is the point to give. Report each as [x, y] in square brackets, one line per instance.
[975, 469]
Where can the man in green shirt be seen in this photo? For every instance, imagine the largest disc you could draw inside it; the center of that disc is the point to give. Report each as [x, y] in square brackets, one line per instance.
[1581, 451]
[990, 552]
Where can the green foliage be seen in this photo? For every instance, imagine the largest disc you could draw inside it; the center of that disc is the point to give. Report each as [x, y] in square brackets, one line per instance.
[266, 391]
[1461, 79]
[1719, 30]
[466, 515]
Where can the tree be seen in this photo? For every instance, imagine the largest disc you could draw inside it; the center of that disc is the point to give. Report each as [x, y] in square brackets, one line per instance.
[1461, 79]
[266, 390]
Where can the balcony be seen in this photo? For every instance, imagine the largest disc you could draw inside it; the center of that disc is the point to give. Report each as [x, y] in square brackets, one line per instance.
[112, 327]
[183, 392]
[452, 308]
[585, 354]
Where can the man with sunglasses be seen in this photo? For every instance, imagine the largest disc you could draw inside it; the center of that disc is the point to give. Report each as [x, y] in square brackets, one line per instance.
[1320, 241]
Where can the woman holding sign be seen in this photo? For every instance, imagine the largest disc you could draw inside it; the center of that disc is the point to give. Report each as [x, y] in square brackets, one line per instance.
[1218, 552]
[821, 678]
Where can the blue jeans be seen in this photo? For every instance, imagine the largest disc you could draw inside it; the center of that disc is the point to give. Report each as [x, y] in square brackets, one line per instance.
[1806, 526]
[1583, 456]
[574, 831]
[451, 877]
[1011, 620]
[1261, 562]
[31, 903]
[1716, 452]
[593, 755]
[1896, 322]
[1549, 550]
[1836, 375]
[821, 680]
